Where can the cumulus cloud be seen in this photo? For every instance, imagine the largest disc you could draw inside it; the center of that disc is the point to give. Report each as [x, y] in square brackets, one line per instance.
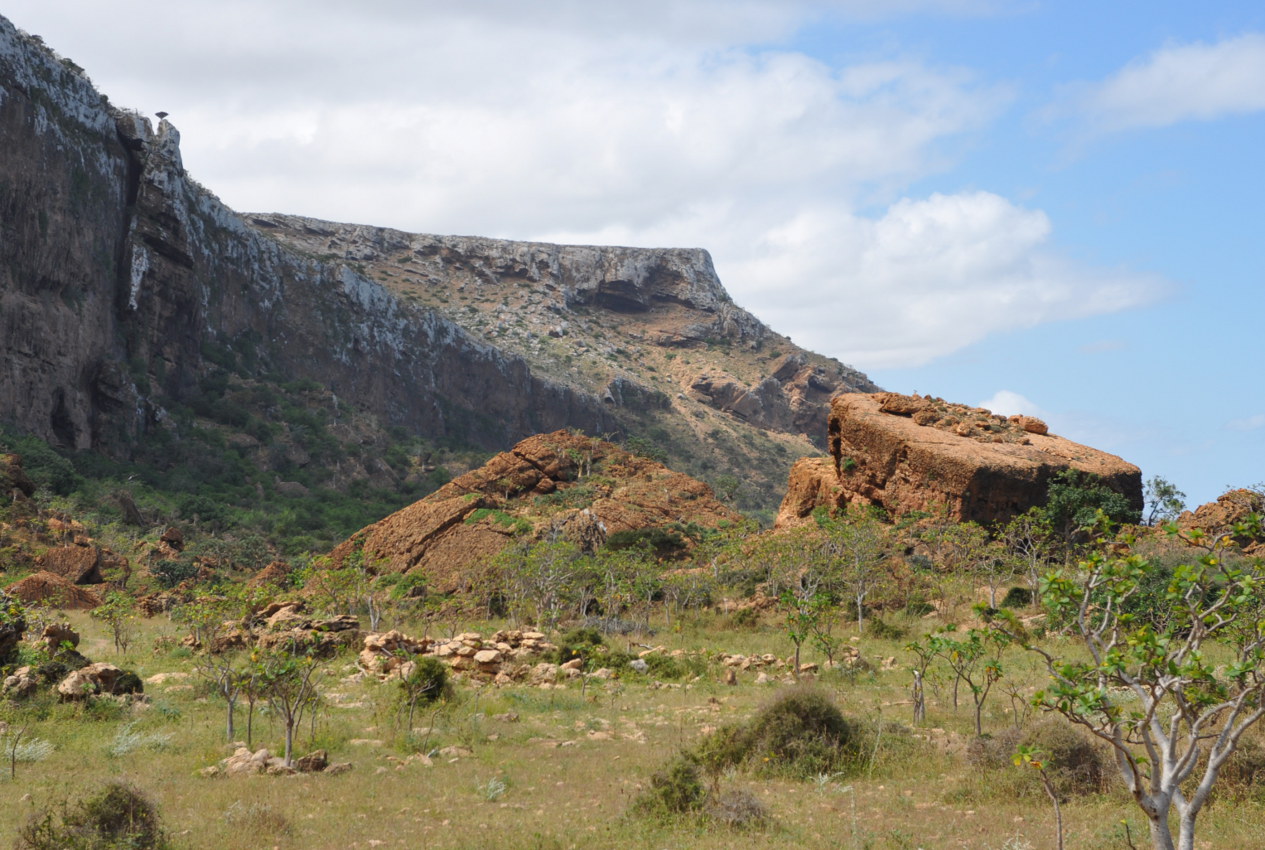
[928, 277]
[663, 123]
[1183, 82]
[1008, 403]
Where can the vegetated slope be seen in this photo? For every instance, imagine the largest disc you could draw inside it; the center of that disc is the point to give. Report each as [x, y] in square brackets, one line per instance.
[559, 485]
[137, 311]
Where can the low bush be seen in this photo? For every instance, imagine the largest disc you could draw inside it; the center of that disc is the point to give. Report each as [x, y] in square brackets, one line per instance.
[1075, 763]
[119, 817]
[799, 734]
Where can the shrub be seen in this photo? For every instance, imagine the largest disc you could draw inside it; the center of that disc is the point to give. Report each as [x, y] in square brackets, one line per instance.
[119, 817]
[1017, 597]
[581, 643]
[879, 629]
[799, 734]
[1074, 763]
[737, 810]
[676, 789]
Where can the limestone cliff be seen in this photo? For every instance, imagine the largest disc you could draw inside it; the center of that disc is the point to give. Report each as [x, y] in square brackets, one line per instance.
[906, 453]
[124, 285]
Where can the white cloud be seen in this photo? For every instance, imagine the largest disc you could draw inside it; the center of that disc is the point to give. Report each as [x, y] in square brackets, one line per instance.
[927, 278]
[1247, 423]
[1188, 82]
[663, 123]
[1008, 403]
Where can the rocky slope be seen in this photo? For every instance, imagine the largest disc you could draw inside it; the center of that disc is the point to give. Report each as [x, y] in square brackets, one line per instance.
[131, 298]
[906, 453]
[551, 485]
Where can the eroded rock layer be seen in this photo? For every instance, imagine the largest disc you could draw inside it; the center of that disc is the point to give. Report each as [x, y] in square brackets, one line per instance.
[580, 488]
[906, 453]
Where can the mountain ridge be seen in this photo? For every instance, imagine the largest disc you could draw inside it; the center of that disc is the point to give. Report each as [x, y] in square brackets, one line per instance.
[139, 311]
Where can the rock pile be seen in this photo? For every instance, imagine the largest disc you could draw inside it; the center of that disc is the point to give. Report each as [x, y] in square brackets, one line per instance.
[1231, 509]
[917, 453]
[504, 657]
[287, 625]
[243, 762]
[96, 679]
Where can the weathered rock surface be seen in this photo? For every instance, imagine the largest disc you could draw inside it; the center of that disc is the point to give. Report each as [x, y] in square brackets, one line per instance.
[1231, 509]
[906, 453]
[98, 678]
[287, 625]
[124, 285]
[52, 589]
[585, 488]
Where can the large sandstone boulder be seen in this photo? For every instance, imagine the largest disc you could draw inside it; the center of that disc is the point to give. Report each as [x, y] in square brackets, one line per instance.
[585, 488]
[98, 678]
[906, 453]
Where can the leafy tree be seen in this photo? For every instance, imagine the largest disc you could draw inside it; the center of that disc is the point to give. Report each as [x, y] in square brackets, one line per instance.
[1163, 500]
[1074, 499]
[1029, 545]
[1147, 685]
[855, 548]
[974, 659]
[118, 611]
[285, 677]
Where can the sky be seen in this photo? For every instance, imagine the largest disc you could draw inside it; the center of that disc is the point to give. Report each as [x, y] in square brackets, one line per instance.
[1040, 206]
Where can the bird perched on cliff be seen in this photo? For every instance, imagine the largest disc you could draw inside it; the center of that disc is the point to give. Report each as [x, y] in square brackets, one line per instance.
[162, 114]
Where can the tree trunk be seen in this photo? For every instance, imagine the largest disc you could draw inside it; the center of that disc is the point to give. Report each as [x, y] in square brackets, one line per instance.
[1161, 836]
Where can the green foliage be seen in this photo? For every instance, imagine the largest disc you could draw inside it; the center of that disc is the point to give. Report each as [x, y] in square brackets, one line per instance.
[119, 817]
[1159, 663]
[800, 734]
[169, 573]
[662, 543]
[1164, 502]
[582, 643]
[1074, 499]
[676, 789]
[516, 525]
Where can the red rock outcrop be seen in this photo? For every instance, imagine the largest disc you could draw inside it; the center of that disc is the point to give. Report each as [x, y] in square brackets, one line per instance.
[585, 488]
[1221, 516]
[906, 453]
[55, 590]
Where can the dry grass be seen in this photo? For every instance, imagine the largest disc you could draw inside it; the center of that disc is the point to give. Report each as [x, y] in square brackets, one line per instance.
[566, 768]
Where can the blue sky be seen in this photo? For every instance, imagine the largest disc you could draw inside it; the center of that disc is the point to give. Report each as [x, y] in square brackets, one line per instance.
[1048, 206]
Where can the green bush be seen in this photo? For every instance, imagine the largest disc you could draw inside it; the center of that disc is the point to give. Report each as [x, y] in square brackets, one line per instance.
[1075, 764]
[676, 789]
[119, 817]
[1017, 597]
[582, 643]
[800, 734]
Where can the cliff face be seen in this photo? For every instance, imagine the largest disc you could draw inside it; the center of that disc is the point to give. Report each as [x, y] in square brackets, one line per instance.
[119, 276]
[906, 453]
[124, 284]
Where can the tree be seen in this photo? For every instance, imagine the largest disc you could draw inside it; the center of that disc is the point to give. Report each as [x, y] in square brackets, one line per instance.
[1148, 688]
[974, 659]
[285, 678]
[1074, 499]
[856, 547]
[1163, 500]
[1027, 539]
[118, 611]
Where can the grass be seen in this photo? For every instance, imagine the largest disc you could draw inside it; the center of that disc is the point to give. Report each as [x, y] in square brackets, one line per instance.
[559, 768]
